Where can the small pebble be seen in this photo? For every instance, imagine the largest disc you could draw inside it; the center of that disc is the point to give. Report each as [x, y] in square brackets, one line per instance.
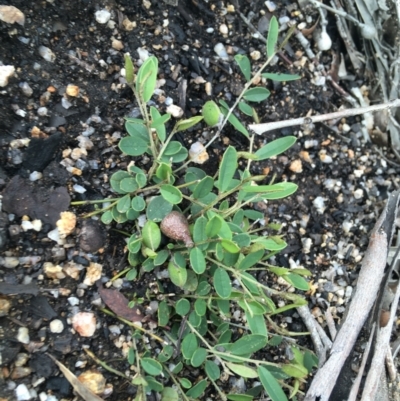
[73, 301]
[143, 53]
[93, 273]
[5, 306]
[117, 44]
[26, 89]
[94, 380]
[84, 323]
[56, 326]
[22, 393]
[21, 359]
[255, 55]
[175, 111]
[47, 54]
[102, 16]
[23, 335]
[65, 103]
[79, 189]
[34, 176]
[6, 72]
[9, 262]
[223, 29]
[66, 224]
[72, 90]
[53, 271]
[198, 153]
[220, 49]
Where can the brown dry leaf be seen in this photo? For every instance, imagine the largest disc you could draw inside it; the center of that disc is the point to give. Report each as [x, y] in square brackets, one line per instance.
[119, 305]
[11, 14]
[79, 387]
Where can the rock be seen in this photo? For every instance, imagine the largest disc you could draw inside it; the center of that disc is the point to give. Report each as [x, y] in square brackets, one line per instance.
[9, 262]
[47, 54]
[66, 224]
[84, 323]
[94, 380]
[11, 14]
[93, 273]
[175, 111]
[41, 152]
[56, 326]
[102, 16]
[22, 393]
[117, 44]
[23, 335]
[92, 236]
[52, 271]
[72, 90]
[19, 372]
[22, 197]
[6, 72]
[198, 153]
[5, 306]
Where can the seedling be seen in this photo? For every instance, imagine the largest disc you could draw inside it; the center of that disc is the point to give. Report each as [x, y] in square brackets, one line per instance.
[215, 242]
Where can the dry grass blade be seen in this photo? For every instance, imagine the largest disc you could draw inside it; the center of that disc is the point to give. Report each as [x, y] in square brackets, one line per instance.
[79, 387]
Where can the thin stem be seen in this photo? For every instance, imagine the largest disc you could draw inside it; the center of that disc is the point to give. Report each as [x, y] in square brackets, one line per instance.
[104, 365]
[177, 384]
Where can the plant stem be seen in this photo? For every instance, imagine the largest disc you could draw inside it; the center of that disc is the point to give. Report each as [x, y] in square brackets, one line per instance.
[104, 365]
[262, 128]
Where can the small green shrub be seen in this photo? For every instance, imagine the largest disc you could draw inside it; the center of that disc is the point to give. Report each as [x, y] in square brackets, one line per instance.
[214, 244]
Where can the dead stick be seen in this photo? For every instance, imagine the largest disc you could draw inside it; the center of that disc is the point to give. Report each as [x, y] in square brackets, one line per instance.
[357, 381]
[261, 128]
[372, 270]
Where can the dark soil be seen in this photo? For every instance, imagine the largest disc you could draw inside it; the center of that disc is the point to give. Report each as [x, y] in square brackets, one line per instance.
[328, 240]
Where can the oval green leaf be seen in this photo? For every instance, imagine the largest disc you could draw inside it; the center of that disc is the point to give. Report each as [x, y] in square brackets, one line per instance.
[171, 194]
[132, 146]
[222, 283]
[211, 113]
[271, 385]
[275, 147]
[256, 94]
[197, 260]
[151, 366]
[151, 235]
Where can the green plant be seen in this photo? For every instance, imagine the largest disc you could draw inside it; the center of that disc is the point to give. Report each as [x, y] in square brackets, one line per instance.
[215, 239]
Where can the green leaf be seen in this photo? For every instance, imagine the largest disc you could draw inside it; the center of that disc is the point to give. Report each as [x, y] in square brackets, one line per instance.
[310, 361]
[211, 113]
[244, 65]
[158, 208]
[275, 147]
[178, 275]
[182, 307]
[234, 120]
[164, 172]
[134, 243]
[137, 131]
[161, 257]
[222, 283]
[158, 123]
[185, 383]
[242, 370]
[248, 344]
[146, 78]
[199, 232]
[138, 203]
[227, 169]
[189, 345]
[172, 148]
[177, 157]
[198, 389]
[183, 125]
[115, 181]
[124, 204]
[128, 184]
[132, 146]
[245, 108]
[212, 370]
[271, 385]
[158, 120]
[131, 356]
[169, 394]
[271, 243]
[203, 188]
[200, 306]
[141, 180]
[296, 281]
[197, 260]
[230, 246]
[253, 307]
[129, 74]
[239, 397]
[198, 357]
[256, 94]
[272, 38]
[163, 314]
[131, 275]
[203, 289]
[171, 194]
[256, 324]
[151, 235]
[106, 217]
[151, 366]
[213, 227]
[295, 370]
[280, 77]
[275, 191]
[251, 259]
